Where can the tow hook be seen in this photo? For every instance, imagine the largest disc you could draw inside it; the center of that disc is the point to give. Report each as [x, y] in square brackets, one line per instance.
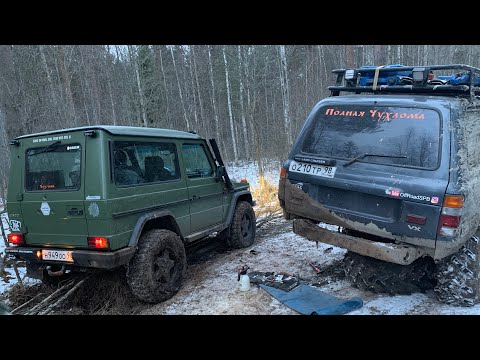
[56, 273]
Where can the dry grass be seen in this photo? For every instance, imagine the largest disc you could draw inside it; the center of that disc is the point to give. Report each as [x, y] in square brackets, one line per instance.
[266, 197]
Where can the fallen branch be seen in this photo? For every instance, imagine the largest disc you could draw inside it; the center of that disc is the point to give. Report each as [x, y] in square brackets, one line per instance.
[61, 300]
[19, 279]
[42, 303]
[25, 303]
[268, 218]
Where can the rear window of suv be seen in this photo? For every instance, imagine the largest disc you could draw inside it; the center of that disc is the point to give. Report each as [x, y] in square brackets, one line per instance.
[346, 132]
[52, 168]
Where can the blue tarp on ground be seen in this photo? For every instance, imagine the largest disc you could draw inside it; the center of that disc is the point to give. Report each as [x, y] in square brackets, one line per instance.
[309, 300]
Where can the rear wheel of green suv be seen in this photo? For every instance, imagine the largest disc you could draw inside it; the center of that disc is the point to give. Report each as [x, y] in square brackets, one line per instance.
[156, 271]
[242, 229]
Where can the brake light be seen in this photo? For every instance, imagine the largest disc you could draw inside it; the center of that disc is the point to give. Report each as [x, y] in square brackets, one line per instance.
[15, 239]
[451, 215]
[98, 242]
[283, 172]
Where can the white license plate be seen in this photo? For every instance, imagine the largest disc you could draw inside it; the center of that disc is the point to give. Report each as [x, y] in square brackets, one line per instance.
[56, 255]
[313, 169]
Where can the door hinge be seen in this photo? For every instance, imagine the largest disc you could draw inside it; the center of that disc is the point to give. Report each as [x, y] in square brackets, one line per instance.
[19, 197]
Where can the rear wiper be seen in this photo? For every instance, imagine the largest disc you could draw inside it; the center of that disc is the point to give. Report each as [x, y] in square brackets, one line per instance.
[46, 149]
[351, 161]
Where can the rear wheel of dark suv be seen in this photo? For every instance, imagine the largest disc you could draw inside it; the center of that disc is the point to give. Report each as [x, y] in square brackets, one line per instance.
[379, 276]
[458, 275]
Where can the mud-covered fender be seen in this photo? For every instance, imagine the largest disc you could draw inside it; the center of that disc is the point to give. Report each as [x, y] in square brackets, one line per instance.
[142, 220]
[245, 195]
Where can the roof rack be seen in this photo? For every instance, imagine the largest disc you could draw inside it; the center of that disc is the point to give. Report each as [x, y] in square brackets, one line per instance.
[409, 79]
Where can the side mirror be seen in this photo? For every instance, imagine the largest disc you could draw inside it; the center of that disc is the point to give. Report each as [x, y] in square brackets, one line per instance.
[220, 172]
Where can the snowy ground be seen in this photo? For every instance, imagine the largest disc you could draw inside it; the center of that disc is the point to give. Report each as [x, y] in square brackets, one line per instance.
[211, 286]
[249, 171]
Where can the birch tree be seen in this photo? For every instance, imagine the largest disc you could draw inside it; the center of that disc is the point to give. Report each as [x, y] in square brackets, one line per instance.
[285, 94]
[187, 123]
[230, 113]
[242, 110]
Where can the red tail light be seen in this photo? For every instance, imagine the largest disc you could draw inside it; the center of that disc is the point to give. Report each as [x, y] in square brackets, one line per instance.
[15, 239]
[98, 242]
[450, 221]
[451, 215]
[283, 172]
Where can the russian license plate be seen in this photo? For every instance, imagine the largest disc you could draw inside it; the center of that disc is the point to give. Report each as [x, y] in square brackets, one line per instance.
[56, 255]
[311, 169]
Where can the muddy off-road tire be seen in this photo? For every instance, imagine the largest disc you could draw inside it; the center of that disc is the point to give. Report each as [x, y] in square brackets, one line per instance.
[458, 275]
[379, 276]
[243, 227]
[156, 271]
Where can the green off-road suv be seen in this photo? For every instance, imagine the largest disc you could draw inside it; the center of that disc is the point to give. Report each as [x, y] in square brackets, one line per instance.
[103, 197]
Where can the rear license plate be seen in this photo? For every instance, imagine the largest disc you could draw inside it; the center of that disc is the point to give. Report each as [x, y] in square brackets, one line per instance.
[56, 255]
[311, 169]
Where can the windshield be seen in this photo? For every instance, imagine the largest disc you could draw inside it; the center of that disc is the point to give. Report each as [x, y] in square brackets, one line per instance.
[53, 168]
[346, 132]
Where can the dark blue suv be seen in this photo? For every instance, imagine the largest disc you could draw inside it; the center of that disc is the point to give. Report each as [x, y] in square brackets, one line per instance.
[395, 164]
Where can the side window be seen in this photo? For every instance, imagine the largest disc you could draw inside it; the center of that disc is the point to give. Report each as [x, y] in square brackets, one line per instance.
[196, 161]
[144, 162]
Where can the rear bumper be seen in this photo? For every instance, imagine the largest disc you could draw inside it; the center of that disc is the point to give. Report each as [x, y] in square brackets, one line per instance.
[399, 254]
[81, 258]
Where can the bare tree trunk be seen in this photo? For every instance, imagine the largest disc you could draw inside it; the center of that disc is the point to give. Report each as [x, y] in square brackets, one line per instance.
[242, 110]
[134, 60]
[204, 122]
[180, 90]
[109, 85]
[230, 113]
[9, 90]
[379, 54]
[350, 60]
[215, 114]
[49, 79]
[164, 82]
[195, 117]
[67, 79]
[250, 103]
[285, 94]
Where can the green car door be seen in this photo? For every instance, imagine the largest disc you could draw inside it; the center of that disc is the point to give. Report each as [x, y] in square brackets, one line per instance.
[204, 191]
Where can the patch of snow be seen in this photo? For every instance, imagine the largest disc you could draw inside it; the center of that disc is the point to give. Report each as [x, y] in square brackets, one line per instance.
[249, 170]
[12, 279]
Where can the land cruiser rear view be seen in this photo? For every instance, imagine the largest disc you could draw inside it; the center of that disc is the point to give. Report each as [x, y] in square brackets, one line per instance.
[104, 197]
[395, 165]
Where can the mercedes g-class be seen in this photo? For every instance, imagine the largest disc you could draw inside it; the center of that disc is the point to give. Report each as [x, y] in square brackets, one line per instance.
[104, 197]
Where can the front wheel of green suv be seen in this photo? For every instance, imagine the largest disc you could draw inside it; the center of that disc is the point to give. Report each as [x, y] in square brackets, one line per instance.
[242, 229]
[156, 271]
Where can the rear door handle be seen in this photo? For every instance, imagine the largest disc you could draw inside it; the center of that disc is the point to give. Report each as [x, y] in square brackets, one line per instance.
[195, 197]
